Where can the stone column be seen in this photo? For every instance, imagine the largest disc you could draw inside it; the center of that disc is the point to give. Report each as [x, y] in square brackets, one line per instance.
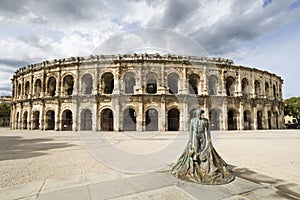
[30, 118]
[242, 123]
[254, 118]
[223, 84]
[184, 115]
[42, 117]
[59, 89]
[225, 120]
[58, 118]
[204, 82]
[184, 82]
[162, 119]
[116, 114]
[117, 81]
[94, 114]
[140, 115]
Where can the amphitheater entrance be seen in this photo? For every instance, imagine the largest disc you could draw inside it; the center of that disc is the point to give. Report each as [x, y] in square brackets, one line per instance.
[50, 120]
[247, 120]
[36, 120]
[25, 120]
[151, 120]
[129, 120]
[86, 120]
[214, 118]
[259, 119]
[87, 84]
[173, 119]
[231, 120]
[193, 83]
[67, 120]
[107, 120]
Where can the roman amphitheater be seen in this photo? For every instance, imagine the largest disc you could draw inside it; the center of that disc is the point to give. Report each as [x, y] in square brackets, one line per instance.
[144, 92]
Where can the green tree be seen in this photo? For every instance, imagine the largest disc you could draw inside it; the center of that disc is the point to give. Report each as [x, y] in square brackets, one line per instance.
[292, 106]
[4, 110]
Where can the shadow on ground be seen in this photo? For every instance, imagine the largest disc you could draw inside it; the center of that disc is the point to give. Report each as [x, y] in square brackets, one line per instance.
[16, 147]
[283, 189]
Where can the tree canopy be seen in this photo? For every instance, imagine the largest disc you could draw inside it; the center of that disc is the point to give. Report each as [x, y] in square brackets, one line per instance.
[292, 106]
[4, 110]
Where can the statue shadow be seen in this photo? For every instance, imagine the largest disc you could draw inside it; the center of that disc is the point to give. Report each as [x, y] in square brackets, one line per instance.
[16, 147]
[281, 187]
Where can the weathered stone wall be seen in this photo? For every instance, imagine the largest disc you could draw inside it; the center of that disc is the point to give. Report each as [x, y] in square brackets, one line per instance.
[144, 92]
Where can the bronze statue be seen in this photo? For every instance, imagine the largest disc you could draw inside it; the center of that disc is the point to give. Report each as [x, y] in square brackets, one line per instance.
[200, 162]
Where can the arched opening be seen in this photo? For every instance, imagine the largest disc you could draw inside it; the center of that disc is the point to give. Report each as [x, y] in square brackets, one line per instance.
[86, 120]
[129, 83]
[27, 88]
[151, 120]
[25, 120]
[259, 119]
[193, 83]
[107, 81]
[36, 120]
[267, 89]
[17, 120]
[257, 88]
[192, 114]
[274, 91]
[50, 120]
[245, 89]
[151, 81]
[213, 85]
[68, 84]
[173, 83]
[87, 84]
[276, 120]
[230, 86]
[247, 120]
[19, 89]
[129, 120]
[231, 119]
[37, 87]
[67, 120]
[107, 120]
[51, 86]
[269, 119]
[173, 119]
[214, 118]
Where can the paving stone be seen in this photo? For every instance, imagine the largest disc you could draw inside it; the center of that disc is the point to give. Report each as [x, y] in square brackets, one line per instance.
[78, 193]
[21, 191]
[237, 197]
[266, 193]
[240, 185]
[165, 193]
[205, 192]
[63, 183]
[127, 186]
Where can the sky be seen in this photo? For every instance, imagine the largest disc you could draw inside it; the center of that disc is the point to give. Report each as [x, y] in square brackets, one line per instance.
[264, 34]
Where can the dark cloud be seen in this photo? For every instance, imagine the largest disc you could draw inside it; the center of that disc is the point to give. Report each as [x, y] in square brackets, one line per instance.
[176, 12]
[65, 11]
[8, 7]
[13, 64]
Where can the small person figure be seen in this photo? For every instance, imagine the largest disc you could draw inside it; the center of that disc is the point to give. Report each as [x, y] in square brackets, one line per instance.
[200, 163]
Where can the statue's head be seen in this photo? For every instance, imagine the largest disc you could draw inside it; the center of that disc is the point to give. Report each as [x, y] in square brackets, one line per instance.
[198, 112]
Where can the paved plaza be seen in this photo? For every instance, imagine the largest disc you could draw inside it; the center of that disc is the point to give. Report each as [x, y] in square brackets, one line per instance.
[57, 165]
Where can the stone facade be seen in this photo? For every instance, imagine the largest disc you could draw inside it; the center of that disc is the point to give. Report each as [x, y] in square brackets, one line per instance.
[144, 92]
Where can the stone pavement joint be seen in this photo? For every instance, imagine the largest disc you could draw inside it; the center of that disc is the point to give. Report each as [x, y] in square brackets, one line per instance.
[155, 185]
